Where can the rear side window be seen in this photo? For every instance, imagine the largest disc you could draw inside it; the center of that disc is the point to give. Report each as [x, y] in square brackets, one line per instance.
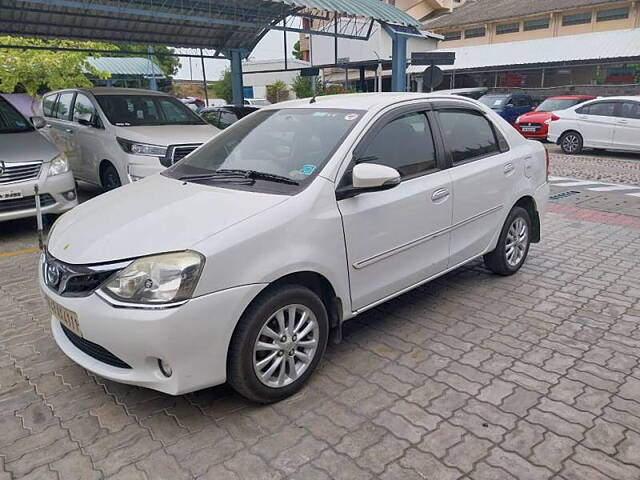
[227, 119]
[521, 102]
[48, 105]
[631, 110]
[468, 135]
[603, 109]
[405, 144]
[63, 109]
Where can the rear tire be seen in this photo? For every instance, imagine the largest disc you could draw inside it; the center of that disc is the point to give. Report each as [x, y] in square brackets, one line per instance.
[513, 245]
[277, 344]
[571, 143]
[109, 177]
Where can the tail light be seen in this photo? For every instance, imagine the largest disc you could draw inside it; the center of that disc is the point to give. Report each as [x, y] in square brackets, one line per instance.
[547, 152]
[553, 118]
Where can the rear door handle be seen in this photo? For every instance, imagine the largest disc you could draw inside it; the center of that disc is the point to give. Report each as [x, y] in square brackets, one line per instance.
[440, 194]
[623, 121]
[508, 168]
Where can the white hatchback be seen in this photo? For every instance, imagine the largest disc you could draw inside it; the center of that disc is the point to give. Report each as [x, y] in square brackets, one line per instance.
[113, 136]
[237, 262]
[611, 123]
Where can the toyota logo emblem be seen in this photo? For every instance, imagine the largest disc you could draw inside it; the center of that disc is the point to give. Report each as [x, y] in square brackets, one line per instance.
[53, 275]
[2, 167]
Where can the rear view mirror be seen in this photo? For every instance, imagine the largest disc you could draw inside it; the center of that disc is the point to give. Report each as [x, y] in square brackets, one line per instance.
[86, 123]
[372, 176]
[510, 105]
[38, 122]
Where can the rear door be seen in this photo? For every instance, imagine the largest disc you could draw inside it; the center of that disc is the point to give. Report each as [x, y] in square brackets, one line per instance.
[597, 123]
[61, 128]
[627, 132]
[89, 138]
[483, 176]
[396, 238]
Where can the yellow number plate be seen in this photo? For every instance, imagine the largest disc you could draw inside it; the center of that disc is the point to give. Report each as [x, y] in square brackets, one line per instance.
[68, 318]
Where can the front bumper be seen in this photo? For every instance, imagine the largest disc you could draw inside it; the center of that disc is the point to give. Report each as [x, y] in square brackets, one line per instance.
[193, 338]
[54, 186]
[139, 167]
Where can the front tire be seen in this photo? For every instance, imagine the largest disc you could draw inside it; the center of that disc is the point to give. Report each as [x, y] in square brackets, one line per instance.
[277, 344]
[571, 143]
[513, 245]
[109, 177]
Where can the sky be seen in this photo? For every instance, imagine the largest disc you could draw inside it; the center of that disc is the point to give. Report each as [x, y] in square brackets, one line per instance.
[270, 47]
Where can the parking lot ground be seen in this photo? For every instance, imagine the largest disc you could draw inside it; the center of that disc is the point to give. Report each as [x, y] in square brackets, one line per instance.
[473, 376]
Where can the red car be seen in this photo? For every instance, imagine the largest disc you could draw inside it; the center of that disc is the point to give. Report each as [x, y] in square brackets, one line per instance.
[535, 124]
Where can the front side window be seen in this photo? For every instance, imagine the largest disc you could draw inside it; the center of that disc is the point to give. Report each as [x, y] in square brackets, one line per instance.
[227, 118]
[48, 105]
[63, 108]
[11, 121]
[603, 109]
[631, 110]
[294, 143]
[405, 144]
[467, 134]
[148, 110]
[83, 110]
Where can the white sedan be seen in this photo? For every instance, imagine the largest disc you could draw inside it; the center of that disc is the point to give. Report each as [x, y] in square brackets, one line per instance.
[611, 123]
[237, 262]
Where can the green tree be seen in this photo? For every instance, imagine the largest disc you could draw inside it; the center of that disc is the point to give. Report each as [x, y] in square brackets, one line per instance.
[161, 55]
[223, 88]
[277, 92]
[36, 70]
[303, 86]
[296, 51]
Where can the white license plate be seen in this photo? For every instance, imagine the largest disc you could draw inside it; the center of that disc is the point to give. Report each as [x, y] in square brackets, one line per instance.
[68, 318]
[528, 129]
[10, 194]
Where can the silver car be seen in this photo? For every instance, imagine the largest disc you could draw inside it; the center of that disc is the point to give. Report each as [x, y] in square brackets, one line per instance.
[28, 159]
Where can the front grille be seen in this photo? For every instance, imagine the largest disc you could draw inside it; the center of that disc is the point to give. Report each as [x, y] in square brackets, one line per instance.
[94, 350]
[19, 172]
[25, 203]
[70, 280]
[537, 126]
[176, 153]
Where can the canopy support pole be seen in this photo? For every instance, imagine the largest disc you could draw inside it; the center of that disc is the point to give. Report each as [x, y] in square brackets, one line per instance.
[398, 60]
[236, 77]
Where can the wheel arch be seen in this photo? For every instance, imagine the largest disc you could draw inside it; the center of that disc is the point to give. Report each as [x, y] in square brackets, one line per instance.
[568, 130]
[529, 204]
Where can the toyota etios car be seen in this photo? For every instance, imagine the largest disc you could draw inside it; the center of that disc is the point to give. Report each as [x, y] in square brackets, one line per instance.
[237, 262]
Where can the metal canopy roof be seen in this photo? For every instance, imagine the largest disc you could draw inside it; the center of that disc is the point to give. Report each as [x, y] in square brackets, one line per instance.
[127, 66]
[214, 24]
[598, 46]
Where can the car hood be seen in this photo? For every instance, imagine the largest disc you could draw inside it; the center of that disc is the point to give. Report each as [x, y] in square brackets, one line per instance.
[26, 147]
[154, 215]
[169, 134]
[535, 117]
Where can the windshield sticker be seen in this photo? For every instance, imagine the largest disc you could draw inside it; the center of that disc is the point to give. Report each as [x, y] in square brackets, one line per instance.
[497, 103]
[123, 124]
[351, 117]
[308, 169]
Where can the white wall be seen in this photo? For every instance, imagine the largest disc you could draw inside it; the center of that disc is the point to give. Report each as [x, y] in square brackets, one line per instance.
[259, 81]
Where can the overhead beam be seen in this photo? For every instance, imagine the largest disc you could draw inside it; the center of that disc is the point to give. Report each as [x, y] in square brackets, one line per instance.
[217, 55]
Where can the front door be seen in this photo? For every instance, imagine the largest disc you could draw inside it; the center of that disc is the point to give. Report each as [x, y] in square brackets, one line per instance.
[627, 133]
[597, 123]
[483, 179]
[89, 136]
[399, 237]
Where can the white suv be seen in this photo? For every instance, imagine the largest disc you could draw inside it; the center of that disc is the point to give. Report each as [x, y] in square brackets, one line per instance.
[611, 123]
[113, 136]
[290, 222]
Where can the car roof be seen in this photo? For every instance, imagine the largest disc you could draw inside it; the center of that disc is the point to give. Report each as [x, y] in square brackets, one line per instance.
[364, 101]
[570, 97]
[113, 91]
[634, 98]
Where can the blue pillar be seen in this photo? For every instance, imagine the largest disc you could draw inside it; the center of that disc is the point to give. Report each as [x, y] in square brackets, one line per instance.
[399, 63]
[236, 77]
[153, 83]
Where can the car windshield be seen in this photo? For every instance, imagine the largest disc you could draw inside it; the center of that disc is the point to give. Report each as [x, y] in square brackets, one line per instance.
[139, 110]
[551, 105]
[493, 101]
[293, 144]
[11, 121]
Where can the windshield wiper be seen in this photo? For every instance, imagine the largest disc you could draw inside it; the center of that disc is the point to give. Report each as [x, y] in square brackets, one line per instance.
[239, 175]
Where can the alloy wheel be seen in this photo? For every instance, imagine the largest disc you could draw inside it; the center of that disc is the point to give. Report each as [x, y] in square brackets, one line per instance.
[517, 242]
[570, 143]
[286, 346]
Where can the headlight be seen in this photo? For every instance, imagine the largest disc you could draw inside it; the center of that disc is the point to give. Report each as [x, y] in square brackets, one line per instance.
[146, 149]
[59, 165]
[518, 119]
[159, 279]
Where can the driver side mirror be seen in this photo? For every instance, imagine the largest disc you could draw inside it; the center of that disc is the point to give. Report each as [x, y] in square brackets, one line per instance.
[370, 177]
[38, 122]
[510, 105]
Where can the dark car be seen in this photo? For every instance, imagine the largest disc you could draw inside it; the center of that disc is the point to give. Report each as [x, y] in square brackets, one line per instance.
[508, 105]
[223, 117]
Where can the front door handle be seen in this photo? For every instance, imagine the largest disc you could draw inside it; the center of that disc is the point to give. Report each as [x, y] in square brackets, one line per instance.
[68, 130]
[623, 121]
[440, 194]
[508, 168]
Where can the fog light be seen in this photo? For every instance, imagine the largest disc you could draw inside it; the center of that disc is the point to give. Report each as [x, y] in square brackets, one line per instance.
[70, 195]
[165, 368]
